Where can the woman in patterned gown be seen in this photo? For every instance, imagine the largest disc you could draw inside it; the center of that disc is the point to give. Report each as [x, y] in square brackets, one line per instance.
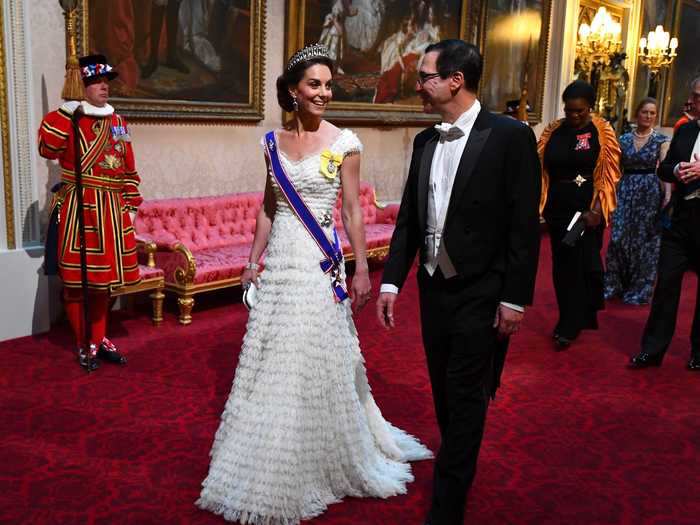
[633, 252]
[300, 429]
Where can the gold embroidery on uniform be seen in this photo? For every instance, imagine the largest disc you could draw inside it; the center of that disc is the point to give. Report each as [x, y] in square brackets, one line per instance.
[110, 162]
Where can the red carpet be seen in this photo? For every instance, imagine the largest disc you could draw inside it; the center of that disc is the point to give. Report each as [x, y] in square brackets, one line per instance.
[573, 437]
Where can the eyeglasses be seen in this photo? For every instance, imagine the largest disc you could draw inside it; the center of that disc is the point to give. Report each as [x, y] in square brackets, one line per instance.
[425, 77]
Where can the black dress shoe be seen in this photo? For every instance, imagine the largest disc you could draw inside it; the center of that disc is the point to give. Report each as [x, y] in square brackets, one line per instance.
[90, 364]
[694, 363]
[561, 342]
[108, 352]
[645, 360]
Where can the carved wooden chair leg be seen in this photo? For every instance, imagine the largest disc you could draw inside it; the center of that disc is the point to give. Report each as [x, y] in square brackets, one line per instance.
[157, 298]
[185, 302]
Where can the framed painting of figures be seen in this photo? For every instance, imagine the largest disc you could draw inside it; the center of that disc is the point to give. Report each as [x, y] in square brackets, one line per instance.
[376, 45]
[514, 39]
[686, 66]
[180, 59]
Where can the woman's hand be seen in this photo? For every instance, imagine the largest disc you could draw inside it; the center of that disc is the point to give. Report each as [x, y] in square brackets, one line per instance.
[361, 289]
[666, 199]
[248, 276]
[592, 218]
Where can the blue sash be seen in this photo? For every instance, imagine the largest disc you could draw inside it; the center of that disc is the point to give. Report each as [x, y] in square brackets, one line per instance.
[332, 251]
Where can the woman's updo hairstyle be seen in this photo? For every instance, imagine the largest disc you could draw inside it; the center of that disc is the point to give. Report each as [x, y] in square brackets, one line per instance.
[579, 89]
[301, 61]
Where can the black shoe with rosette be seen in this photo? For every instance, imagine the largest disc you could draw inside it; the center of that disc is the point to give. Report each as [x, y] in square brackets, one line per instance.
[108, 352]
[90, 364]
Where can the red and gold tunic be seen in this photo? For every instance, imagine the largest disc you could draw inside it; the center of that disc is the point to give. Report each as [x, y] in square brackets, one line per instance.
[110, 192]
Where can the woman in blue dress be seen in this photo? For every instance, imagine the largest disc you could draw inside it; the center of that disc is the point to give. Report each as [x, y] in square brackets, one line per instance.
[633, 252]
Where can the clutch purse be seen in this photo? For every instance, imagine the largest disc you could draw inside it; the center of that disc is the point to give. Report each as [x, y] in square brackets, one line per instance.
[575, 230]
[249, 295]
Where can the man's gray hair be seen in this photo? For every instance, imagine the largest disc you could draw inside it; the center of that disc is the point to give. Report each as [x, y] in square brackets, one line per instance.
[695, 82]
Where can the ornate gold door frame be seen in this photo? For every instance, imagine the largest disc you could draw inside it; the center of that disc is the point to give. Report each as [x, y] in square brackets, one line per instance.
[5, 137]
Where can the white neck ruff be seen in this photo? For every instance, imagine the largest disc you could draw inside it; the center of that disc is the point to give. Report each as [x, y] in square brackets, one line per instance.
[94, 111]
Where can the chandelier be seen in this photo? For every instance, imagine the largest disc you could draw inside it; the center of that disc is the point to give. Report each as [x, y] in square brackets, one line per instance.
[598, 41]
[657, 50]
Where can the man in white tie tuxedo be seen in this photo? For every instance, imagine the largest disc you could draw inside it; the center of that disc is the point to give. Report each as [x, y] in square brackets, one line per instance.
[470, 209]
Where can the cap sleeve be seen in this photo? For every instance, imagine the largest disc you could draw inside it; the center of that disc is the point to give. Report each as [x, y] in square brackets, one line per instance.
[349, 143]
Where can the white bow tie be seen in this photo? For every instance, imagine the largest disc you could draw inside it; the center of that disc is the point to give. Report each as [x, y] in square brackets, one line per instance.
[448, 132]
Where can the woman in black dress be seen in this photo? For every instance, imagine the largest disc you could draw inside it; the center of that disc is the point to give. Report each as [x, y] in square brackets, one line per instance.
[580, 168]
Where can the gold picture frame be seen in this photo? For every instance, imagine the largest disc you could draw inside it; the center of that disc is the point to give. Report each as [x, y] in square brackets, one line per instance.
[685, 66]
[654, 12]
[361, 78]
[530, 58]
[198, 80]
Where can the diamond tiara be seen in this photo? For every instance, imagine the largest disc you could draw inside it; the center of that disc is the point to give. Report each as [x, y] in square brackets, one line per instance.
[307, 53]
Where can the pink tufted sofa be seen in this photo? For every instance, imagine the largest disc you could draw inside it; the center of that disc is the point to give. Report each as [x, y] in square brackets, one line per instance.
[203, 243]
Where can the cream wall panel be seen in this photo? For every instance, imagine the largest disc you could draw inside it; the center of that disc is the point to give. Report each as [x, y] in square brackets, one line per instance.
[28, 299]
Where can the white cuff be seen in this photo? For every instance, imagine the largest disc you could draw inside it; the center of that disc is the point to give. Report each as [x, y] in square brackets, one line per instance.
[515, 307]
[388, 288]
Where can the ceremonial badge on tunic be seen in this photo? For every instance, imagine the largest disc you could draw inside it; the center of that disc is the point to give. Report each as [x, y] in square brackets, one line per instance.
[110, 162]
[330, 164]
[583, 142]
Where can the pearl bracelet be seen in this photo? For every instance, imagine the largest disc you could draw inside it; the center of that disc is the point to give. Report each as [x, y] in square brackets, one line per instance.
[252, 266]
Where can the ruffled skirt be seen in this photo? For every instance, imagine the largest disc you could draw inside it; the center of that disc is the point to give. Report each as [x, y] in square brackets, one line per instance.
[300, 429]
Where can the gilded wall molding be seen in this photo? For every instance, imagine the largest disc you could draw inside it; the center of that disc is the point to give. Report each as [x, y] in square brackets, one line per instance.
[5, 138]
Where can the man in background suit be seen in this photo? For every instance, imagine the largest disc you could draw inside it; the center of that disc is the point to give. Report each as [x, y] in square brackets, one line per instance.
[680, 245]
[470, 208]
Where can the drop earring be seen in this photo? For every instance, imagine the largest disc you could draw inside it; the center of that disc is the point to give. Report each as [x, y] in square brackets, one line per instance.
[295, 104]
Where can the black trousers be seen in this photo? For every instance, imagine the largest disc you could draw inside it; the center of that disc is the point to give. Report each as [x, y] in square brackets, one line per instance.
[680, 251]
[460, 345]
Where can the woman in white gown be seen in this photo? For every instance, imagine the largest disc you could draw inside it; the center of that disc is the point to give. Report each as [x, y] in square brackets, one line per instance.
[300, 429]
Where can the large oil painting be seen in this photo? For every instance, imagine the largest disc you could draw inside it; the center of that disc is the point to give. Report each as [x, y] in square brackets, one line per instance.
[377, 45]
[514, 38]
[180, 59]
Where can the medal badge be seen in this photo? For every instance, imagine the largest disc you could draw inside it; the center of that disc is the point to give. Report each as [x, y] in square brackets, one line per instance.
[583, 142]
[330, 164]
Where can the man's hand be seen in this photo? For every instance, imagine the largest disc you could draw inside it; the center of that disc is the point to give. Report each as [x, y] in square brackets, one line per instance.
[689, 171]
[385, 309]
[507, 321]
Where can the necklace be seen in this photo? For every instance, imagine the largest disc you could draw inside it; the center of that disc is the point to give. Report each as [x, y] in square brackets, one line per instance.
[642, 136]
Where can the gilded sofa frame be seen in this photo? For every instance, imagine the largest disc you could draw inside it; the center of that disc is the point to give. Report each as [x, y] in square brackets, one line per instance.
[185, 289]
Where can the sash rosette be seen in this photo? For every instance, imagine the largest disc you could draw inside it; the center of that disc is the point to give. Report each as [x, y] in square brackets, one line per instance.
[332, 251]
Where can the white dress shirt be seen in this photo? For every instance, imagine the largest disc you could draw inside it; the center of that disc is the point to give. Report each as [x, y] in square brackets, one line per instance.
[443, 170]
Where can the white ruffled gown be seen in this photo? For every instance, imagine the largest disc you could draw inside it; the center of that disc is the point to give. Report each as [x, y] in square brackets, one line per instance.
[300, 429]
